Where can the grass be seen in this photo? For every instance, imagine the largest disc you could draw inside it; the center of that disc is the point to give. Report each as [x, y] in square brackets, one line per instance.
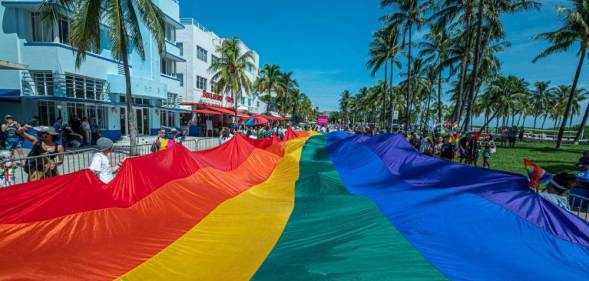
[543, 154]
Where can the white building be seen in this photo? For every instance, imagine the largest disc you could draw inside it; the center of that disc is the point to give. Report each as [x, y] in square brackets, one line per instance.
[197, 47]
[53, 86]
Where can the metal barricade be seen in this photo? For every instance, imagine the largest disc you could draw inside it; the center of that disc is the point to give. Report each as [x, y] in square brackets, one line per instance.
[207, 143]
[40, 167]
[579, 206]
[19, 171]
[191, 144]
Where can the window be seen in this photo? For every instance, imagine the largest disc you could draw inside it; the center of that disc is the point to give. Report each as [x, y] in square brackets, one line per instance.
[168, 118]
[201, 83]
[201, 54]
[180, 77]
[46, 113]
[136, 101]
[168, 67]
[214, 59]
[42, 82]
[42, 31]
[170, 32]
[81, 87]
[171, 100]
[98, 112]
[181, 48]
[64, 30]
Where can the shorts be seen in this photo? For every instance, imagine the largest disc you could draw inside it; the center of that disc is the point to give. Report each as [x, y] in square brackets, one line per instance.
[486, 154]
[14, 144]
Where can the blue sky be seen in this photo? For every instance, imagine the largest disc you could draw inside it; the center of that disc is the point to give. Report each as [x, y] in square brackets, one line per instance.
[325, 42]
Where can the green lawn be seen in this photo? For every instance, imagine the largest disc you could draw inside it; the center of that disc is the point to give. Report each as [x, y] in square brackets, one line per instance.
[544, 154]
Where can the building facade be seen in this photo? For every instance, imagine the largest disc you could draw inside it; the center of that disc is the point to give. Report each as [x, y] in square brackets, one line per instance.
[198, 49]
[53, 86]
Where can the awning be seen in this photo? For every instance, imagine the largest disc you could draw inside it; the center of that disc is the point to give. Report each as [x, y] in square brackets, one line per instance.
[206, 111]
[221, 109]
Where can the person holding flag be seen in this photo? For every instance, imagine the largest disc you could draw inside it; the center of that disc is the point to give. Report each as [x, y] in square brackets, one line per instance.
[556, 186]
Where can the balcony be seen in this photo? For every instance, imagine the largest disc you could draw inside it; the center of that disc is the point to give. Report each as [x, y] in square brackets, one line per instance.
[140, 87]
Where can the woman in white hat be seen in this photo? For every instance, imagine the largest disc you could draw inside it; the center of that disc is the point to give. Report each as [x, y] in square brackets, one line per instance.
[100, 164]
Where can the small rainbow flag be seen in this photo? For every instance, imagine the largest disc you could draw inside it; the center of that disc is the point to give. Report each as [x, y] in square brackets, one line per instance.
[536, 175]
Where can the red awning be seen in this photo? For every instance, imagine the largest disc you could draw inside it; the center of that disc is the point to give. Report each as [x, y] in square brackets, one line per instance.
[222, 110]
[206, 111]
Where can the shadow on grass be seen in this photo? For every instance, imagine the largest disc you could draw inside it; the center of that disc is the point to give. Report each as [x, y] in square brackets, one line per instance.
[557, 168]
[551, 149]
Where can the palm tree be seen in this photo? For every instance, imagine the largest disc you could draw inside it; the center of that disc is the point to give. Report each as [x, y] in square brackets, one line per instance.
[125, 34]
[230, 71]
[503, 96]
[436, 47]
[540, 99]
[294, 103]
[287, 85]
[581, 132]
[408, 14]
[344, 104]
[384, 49]
[575, 29]
[269, 81]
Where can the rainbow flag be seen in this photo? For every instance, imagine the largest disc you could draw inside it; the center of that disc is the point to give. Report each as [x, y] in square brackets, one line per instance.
[536, 175]
[313, 207]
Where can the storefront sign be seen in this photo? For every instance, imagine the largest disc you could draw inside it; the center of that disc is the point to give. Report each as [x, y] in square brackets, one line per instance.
[212, 96]
[322, 120]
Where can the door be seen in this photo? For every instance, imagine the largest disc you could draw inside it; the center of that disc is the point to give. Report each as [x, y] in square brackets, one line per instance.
[142, 115]
[123, 116]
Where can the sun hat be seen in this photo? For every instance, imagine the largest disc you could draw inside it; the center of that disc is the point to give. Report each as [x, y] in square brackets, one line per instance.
[8, 116]
[103, 144]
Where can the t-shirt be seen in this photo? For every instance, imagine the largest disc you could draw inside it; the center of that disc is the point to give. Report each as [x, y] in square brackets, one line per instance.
[447, 151]
[101, 167]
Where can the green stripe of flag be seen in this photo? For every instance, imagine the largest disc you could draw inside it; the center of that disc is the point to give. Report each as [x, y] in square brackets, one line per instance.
[334, 235]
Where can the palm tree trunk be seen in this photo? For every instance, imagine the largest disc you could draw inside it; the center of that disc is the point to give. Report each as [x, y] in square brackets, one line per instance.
[475, 71]
[384, 96]
[489, 121]
[497, 124]
[571, 97]
[457, 115]
[544, 121]
[409, 86]
[440, 95]
[429, 99]
[131, 116]
[392, 94]
[535, 119]
[581, 131]
[269, 100]
[524, 121]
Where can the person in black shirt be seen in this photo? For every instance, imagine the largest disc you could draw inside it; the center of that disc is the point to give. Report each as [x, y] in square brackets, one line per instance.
[583, 163]
[447, 151]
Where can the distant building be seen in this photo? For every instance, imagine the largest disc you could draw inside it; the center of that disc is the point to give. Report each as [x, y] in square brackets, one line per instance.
[198, 45]
[52, 86]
